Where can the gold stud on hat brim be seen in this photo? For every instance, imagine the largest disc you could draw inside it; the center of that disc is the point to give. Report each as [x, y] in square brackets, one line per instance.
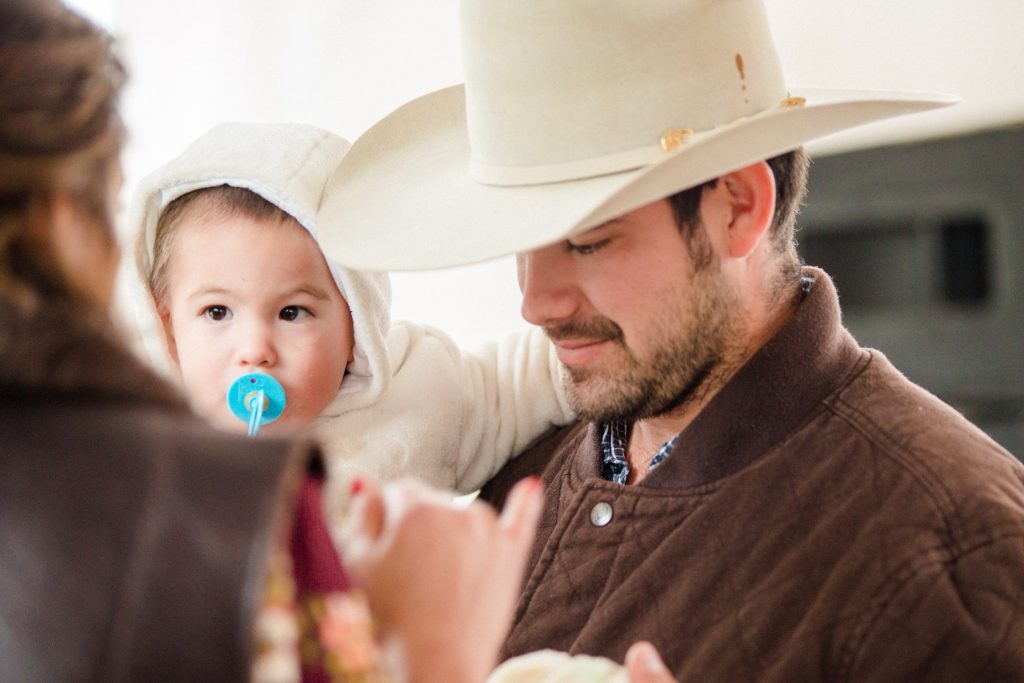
[674, 139]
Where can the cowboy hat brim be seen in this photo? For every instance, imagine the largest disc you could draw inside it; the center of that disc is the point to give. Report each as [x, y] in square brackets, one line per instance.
[403, 197]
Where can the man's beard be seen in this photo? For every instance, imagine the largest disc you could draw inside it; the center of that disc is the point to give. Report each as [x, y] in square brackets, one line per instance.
[687, 354]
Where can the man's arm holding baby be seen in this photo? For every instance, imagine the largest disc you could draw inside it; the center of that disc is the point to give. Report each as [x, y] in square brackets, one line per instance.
[445, 416]
[513, 394]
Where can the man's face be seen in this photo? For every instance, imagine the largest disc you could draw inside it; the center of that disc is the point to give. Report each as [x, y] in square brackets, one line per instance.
[635, 324]
[247, 295]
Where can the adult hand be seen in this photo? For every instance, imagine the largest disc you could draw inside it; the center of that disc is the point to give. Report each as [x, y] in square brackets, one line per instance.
[644, 665]
[442, 582]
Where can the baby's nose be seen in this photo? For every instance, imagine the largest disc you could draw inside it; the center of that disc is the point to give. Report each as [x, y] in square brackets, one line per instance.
[257, 349]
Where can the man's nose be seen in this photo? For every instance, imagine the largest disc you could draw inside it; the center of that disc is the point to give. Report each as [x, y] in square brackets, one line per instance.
[546, 281]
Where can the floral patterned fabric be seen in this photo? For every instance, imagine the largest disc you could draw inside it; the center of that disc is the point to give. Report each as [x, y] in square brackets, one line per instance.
[313, 626]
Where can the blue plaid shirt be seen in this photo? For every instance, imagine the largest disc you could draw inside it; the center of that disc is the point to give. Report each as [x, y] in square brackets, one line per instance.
[614, 466]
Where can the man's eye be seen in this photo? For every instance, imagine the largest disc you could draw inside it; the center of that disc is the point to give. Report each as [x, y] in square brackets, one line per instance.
[589, 248]
[293, 313]
[217, 313]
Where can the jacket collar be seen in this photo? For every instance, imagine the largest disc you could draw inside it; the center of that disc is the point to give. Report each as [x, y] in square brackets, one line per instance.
[765, 401]
[60, 351]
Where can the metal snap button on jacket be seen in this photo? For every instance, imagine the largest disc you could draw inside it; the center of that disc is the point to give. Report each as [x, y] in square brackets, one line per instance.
[601, 514]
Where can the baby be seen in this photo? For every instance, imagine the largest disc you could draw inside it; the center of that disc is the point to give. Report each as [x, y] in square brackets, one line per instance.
[233, 281]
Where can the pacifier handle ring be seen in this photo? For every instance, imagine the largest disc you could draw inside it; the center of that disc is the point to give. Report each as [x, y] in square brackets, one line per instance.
[250, 400]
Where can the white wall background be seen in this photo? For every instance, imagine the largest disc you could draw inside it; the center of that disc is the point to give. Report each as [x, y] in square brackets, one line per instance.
[342, 64]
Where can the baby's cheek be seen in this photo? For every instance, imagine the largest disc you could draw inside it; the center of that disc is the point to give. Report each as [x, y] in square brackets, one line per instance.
[323, 395]
[317, 393]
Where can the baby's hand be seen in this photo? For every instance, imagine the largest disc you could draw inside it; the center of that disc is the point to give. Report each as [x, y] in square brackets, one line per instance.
[551, 666]
[643, 665]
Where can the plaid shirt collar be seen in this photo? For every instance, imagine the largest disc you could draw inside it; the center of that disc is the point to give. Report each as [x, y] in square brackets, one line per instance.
[614, 466]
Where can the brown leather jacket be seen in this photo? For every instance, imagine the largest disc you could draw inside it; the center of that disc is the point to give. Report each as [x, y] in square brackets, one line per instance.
[822, 518]
[133, 538]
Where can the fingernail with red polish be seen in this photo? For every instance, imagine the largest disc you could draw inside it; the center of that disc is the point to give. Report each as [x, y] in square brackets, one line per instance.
[356, 487]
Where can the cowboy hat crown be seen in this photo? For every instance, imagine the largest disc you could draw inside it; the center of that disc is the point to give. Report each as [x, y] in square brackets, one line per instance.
[572, 113]
[606, 81]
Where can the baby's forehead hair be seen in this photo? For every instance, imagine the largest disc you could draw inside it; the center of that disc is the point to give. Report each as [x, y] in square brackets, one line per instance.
[218, 201]
[221, 200]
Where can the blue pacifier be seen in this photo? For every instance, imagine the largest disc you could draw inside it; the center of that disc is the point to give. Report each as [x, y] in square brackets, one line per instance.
[256, 398]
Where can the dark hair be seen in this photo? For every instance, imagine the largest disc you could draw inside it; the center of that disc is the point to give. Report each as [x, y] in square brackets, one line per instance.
[60, 130]
[790, 170]
[225, 200]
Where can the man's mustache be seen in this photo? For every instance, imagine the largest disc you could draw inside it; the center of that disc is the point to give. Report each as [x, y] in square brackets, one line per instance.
[596, 328]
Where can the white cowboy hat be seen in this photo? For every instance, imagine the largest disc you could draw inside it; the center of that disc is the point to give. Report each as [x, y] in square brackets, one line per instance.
[575, 112]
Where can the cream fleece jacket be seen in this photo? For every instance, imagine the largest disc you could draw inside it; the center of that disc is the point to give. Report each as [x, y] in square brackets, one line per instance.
[412, 403]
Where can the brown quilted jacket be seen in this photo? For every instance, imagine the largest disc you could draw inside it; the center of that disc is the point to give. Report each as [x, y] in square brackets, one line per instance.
[822, 519]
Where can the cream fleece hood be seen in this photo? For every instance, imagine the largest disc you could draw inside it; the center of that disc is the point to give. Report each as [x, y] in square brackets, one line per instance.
[288, 165]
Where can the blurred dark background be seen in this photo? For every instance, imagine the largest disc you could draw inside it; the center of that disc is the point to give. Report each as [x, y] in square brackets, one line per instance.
[925, 243]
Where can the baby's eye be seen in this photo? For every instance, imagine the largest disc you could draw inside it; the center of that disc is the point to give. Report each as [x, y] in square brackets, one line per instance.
[293, 313]
[217, 313]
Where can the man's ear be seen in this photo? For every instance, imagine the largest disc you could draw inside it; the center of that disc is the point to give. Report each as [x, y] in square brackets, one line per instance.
[168, 330]
[750, 194]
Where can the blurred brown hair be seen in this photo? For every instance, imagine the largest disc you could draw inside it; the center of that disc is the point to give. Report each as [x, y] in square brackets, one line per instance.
[60, 131]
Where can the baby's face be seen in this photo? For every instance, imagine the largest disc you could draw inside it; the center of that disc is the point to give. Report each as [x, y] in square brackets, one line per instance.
[248, 295]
